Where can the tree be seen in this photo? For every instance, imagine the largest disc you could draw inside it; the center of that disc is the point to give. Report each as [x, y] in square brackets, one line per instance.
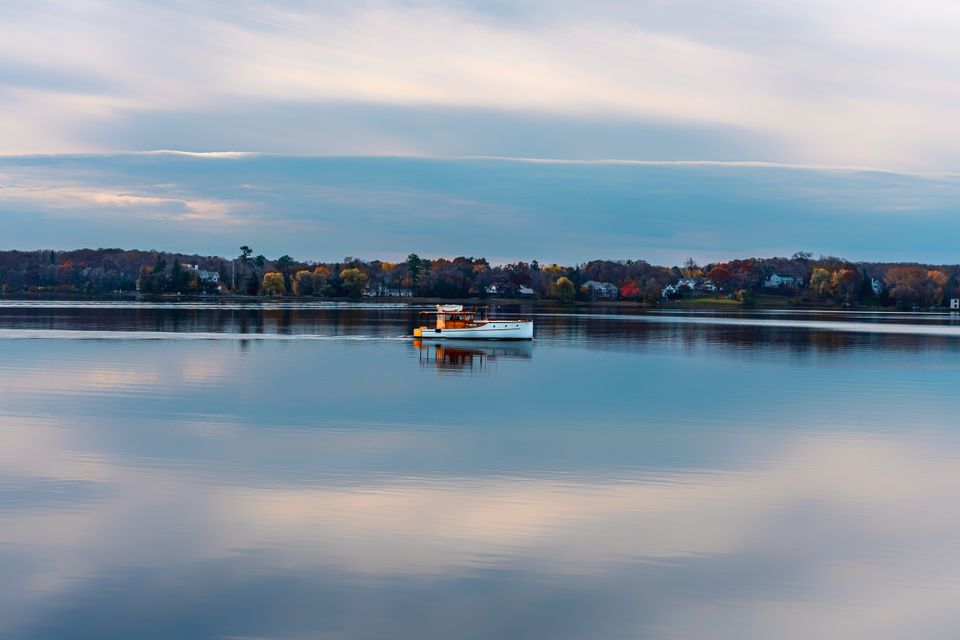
[284, 263]
[415, 267]
[253, 284]
[720, 274]
[820, 282]
[906, 284]
[630, 291]
[844, 284]
[565, 289]
[936, 286]
[303, 283]
[273, 284]
[178, 278]
[321, 286]
[690, 269]
[353, 281]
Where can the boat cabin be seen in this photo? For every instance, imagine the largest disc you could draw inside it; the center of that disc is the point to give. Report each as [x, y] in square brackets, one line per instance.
[451, 316]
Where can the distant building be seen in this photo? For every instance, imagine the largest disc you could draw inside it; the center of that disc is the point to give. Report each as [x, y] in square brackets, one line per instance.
[208, 276]
[876, 285]
[782, 280]
[509, 290]
[691, 284]
[955, 304]
[204, 276]
[601, 290]
[383, 291]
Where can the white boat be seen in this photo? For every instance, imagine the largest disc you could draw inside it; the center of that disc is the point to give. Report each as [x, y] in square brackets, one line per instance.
[450, 321]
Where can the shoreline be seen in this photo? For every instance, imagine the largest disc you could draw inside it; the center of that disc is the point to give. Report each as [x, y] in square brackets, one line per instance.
[688, 304]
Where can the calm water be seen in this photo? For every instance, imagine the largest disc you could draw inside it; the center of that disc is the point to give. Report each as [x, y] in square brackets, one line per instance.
[305, 471]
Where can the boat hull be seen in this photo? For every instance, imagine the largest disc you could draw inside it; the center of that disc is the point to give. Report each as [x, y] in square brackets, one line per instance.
[492, 330]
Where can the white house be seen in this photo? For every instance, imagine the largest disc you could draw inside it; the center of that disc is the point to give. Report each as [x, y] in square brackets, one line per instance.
[522, 290]
[690, 283]
[955, 303]
[708, 285]
[778, 280]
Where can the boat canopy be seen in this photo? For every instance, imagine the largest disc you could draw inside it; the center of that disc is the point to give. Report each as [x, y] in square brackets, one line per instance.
[447, 308]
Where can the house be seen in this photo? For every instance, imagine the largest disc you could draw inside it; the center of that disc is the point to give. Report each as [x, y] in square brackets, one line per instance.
[876, 285]
[955, 304]
[520, 291]
[383, 291]
[690, 284]
[208, 276]
[202, 275]
[782, 280]
[601, 290]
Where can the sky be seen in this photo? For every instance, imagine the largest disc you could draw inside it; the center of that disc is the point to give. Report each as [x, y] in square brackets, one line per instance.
[375, 127]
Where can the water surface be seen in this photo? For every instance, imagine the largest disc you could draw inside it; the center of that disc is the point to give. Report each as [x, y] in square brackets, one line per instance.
[307, 471]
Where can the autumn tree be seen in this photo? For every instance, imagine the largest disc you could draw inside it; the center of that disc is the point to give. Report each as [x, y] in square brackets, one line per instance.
[564, 289]
[353, 281]
[720, 274]
[630, 291]
[691, 269]
[273, 284]
[844, 284]
[905, 283]
[303, 283]
[820, 282]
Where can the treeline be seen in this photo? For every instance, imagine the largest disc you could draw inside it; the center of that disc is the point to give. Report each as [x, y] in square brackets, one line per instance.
[802, 278]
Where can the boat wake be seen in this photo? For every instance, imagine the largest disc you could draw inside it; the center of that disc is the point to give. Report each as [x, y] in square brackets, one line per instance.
[58, 334]
[812, 325]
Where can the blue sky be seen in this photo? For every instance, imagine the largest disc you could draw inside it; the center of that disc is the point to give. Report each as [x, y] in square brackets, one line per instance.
[568, 211]
[362, 113]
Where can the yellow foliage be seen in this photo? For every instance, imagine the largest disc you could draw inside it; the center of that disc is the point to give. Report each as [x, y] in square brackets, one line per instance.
[353, 279]
[273, 284]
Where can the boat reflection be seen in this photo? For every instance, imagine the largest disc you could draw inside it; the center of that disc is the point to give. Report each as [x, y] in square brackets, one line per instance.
[456, 355]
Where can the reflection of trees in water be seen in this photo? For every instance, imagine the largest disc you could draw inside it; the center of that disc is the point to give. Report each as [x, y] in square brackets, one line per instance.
[237, 319]
[612, 331]
[618, 334]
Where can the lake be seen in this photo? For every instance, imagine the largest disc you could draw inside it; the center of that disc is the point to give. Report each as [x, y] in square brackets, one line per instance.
[203, 470]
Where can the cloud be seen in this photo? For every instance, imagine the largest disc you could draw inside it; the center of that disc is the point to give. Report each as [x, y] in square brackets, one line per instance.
[820, 82]
[69, 201]
[327, 207]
